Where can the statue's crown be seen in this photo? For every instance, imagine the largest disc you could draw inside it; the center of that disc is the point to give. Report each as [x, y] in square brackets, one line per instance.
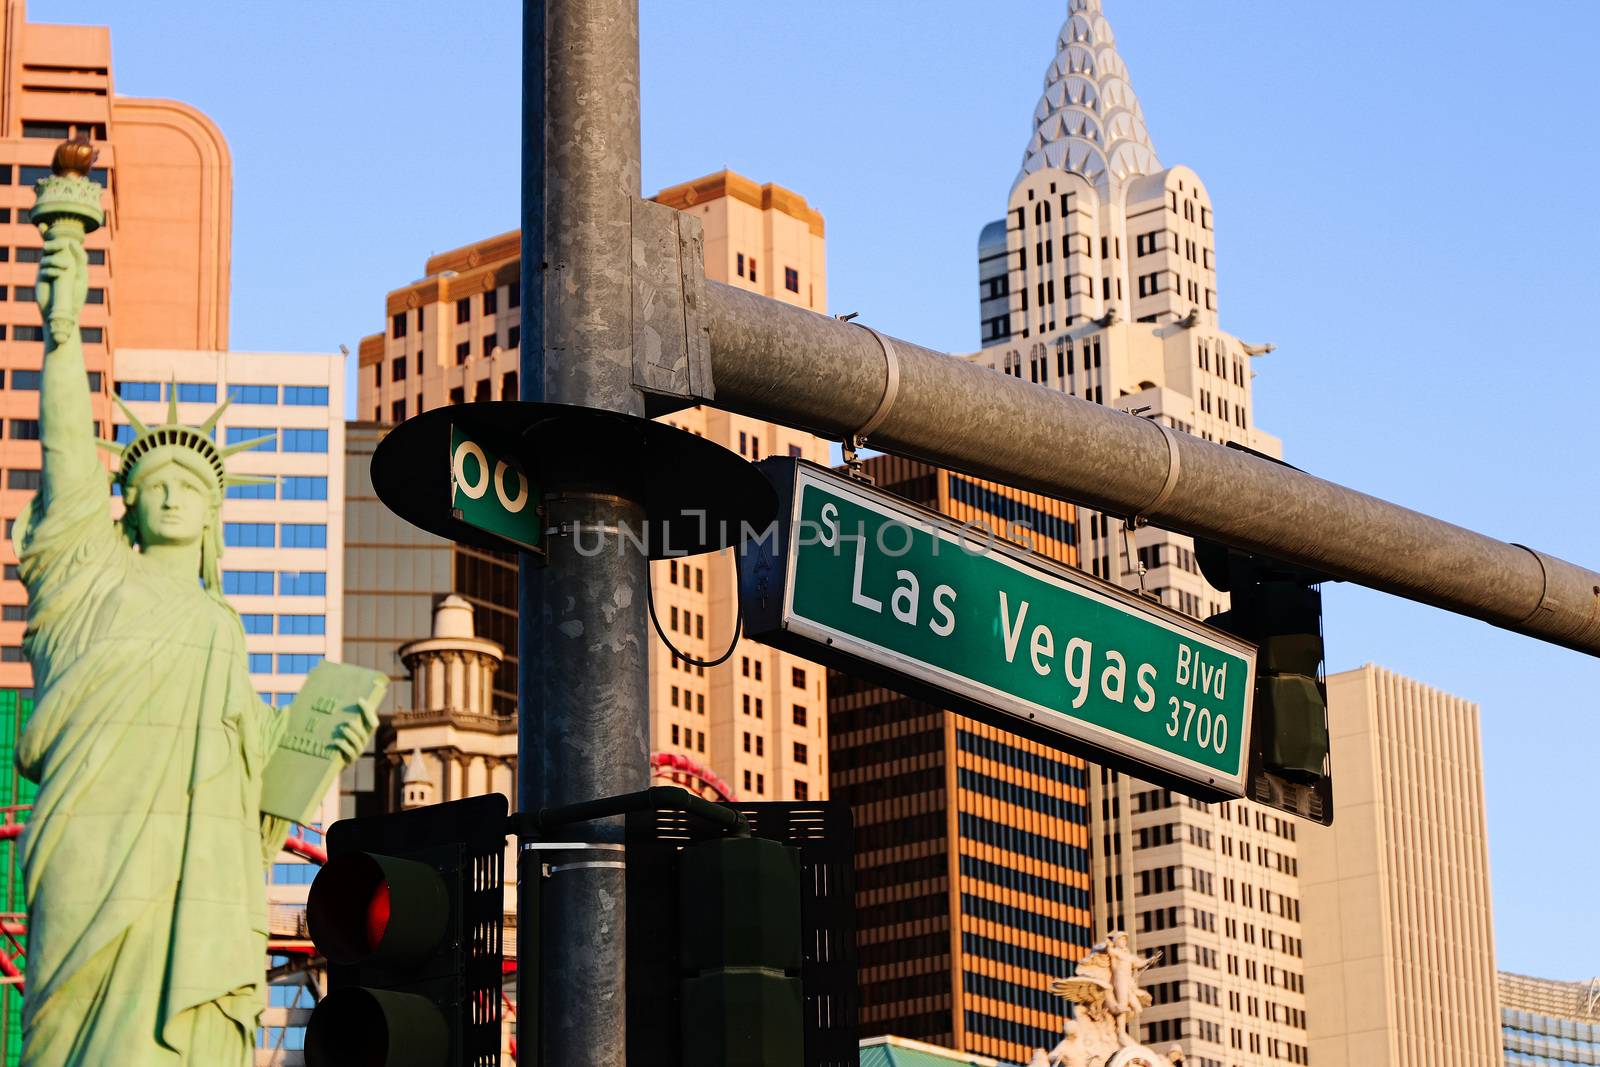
[198, 439]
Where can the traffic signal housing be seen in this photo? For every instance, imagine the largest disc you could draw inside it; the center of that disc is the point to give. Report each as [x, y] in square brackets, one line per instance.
[1278, 607]
[408, 911]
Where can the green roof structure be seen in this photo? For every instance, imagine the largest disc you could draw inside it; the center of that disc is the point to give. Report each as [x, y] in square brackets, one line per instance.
[903, 1052]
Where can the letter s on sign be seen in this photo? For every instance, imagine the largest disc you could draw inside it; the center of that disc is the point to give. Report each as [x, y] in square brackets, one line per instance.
[830, 525]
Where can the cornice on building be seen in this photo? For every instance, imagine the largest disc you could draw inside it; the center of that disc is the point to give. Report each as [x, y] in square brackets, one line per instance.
[768, 197]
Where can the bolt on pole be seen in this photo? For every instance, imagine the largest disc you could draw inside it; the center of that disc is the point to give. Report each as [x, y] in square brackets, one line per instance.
[582, 693]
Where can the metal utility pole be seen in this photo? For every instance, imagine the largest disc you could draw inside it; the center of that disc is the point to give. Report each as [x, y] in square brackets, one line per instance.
[582, 691]
[775, 361]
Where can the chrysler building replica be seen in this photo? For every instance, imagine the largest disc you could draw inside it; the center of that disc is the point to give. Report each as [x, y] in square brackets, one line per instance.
[1101, 280]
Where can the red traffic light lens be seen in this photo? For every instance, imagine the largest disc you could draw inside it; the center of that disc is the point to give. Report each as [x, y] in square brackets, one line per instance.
[367, 907]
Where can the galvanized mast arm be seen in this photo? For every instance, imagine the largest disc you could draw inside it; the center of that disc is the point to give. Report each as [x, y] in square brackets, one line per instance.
[778, 362]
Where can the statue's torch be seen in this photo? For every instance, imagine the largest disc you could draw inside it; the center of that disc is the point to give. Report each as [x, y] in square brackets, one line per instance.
[67, 207]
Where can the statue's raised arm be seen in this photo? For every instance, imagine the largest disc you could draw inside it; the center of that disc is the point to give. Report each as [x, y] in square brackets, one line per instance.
[68, 209]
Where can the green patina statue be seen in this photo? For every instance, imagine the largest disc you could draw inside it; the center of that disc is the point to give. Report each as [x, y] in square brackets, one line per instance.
[146, 852]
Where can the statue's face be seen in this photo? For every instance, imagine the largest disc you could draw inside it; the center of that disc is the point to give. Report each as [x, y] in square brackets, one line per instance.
[171, 505]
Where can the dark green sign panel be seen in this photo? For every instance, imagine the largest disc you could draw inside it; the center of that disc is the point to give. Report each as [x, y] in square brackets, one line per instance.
[491, 491]
[857, 575]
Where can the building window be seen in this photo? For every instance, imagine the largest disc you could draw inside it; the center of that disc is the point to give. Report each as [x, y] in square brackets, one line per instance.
[799, 715]
[24, 430]
[802, 791]
[491, 301]
[302, 625]
[305, 440]
[463, 353]
[247, 583]
[305, 487]
[738, 260]
[22, 479]
[399, 325]
[265, 491]
[464, 309]
[752, 268]
[297, 662]
[791, 279]
[797, 677]
[302, 583]
[458, 395]
[305, 535]
[252, 394]
[508, 386]
[514, 336]
[238, 434]
[397, 410]
[800, 754]
[308, 396]
[92, 335]
[256, 624]
[397, 369]
[480, 392]
[140, 391]
[249, 534]
[197, 393]
[261, 663]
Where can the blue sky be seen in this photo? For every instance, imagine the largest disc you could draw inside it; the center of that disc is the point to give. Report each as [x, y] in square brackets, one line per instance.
[1404, 203]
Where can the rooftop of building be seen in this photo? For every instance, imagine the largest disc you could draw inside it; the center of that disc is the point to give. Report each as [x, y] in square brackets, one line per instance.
[890, 1051]
[1547, 996]
[471, 268]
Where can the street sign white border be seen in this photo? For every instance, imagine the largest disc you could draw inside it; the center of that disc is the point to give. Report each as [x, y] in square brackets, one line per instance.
[1049, 718]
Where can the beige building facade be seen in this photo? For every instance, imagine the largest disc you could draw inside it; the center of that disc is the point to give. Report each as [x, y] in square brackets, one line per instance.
[1101, 281]
[1399, 929]
[158, 269]
[752, 728]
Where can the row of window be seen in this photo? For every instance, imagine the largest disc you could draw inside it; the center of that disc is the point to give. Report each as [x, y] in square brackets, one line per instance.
[91, 335]
[266, 535]
[1013, 512]
[289, 583]
[287, 662]
[297, 625]
[400, 324]
[287, 487]
[206, 393]
[25, 293]
[28, 174]
[508, 391]
[96, 257]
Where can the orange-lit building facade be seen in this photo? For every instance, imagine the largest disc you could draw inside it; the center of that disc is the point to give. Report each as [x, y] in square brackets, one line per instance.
[158, 269]
[972, 844]
[756, 724]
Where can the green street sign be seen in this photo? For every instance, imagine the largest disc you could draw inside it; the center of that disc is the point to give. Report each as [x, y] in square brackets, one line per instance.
[489, 490]
[866, 582]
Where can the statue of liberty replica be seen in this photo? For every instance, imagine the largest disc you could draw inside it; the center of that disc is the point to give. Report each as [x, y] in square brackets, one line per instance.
[146, 854]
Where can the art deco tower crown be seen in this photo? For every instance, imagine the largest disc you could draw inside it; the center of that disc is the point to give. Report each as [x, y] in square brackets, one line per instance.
[1088, 120]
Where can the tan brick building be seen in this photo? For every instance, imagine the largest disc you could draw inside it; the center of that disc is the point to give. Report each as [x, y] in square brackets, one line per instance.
[757, 721]
[1399, 929]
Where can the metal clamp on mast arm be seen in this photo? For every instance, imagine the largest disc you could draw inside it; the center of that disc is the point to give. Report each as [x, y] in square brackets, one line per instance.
[891, 390]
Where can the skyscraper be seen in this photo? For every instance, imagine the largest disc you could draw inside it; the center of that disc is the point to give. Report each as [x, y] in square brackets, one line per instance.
[972, 847]
[158, 269]
[1399, 930]
[753, 726]
[1101, 281]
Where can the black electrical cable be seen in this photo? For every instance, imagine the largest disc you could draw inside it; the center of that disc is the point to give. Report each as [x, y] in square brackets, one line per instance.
[738, 621]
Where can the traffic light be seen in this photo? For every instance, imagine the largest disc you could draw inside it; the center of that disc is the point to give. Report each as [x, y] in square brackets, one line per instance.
[1279, 608]
[408, 912]
[749, 956]
[739, 950]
